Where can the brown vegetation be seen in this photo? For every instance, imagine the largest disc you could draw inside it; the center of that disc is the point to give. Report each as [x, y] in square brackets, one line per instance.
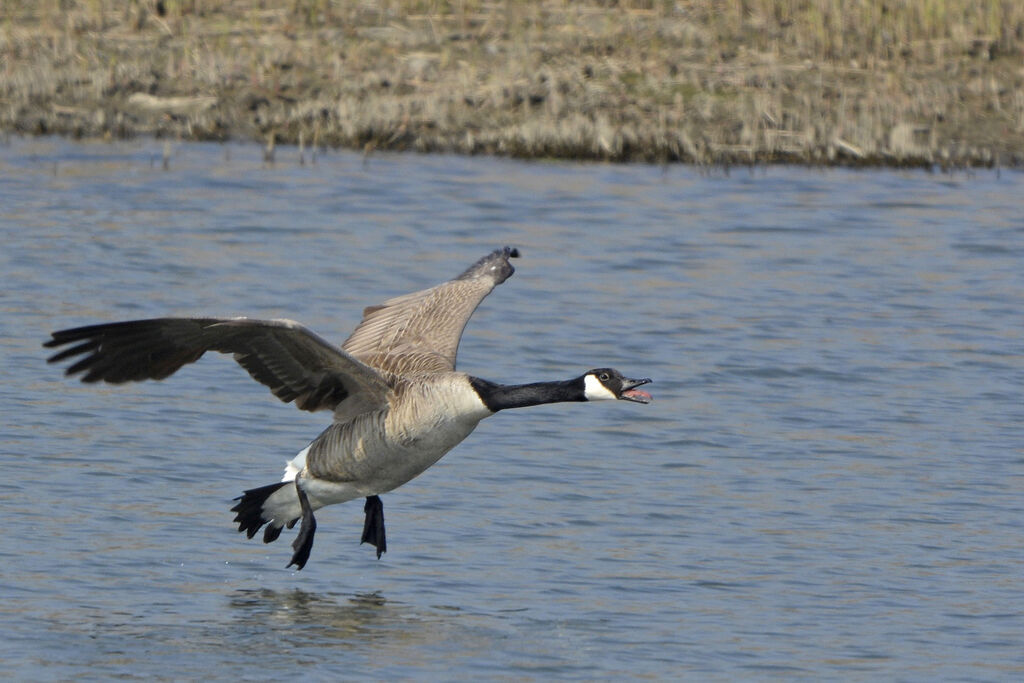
[902, 82]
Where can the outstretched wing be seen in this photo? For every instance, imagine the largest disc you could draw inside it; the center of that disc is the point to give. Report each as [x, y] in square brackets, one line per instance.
[294, 362]
[420, 332]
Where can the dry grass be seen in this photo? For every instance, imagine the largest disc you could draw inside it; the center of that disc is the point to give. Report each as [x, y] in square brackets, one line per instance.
[901, 82]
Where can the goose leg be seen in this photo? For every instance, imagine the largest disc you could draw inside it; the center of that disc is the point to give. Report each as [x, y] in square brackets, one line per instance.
[373, 526]
[303, 543]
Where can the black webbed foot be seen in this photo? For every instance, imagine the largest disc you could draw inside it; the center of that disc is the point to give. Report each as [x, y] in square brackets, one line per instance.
[373, 526]
[303, 543]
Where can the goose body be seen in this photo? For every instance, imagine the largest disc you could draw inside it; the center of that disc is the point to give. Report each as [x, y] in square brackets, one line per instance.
[378, 451]
[398, 403]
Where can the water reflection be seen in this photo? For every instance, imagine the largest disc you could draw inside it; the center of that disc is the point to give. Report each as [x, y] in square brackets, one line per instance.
[336, 617]
[305, 618]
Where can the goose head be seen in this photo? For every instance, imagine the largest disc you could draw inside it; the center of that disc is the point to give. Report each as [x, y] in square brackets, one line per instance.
[609, 383]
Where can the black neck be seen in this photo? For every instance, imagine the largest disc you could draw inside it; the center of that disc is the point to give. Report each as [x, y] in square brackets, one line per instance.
[501, 396]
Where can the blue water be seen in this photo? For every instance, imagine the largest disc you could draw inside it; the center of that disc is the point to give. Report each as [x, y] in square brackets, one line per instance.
[830, 482]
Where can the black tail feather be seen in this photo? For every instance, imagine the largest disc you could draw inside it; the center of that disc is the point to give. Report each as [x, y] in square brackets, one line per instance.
[271, 533]
[250, 511]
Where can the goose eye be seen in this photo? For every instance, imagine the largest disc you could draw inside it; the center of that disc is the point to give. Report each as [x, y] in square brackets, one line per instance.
[603, 377]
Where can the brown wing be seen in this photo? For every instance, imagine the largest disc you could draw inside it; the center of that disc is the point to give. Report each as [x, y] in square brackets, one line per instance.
[295, 363]
[420, 332]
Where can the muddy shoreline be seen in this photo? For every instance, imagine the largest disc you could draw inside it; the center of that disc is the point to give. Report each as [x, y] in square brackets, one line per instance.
[696, 82]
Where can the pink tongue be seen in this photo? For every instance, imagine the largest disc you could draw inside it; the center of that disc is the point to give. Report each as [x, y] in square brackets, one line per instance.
[636, 392]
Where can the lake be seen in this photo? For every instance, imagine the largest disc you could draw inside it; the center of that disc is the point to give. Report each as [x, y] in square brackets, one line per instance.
[829, 483]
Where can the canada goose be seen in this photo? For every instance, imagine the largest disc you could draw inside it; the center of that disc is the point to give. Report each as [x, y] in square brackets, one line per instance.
[398, 402]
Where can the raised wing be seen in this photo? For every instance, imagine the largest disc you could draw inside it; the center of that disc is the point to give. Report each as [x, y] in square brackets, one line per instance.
[294, 362]
[420, 332]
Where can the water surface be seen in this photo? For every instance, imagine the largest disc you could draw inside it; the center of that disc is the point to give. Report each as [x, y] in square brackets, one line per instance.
[828, 484]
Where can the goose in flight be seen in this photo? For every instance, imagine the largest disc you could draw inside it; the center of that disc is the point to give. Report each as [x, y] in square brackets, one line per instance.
[398, 403]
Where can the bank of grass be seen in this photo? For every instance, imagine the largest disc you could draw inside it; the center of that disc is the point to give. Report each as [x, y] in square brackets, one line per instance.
[892, 82]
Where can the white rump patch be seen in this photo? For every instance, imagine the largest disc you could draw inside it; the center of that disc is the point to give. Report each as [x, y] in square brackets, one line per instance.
[595, 391]
[295, 465]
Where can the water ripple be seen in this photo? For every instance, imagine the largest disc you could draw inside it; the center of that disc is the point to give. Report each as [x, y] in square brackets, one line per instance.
[826, 485]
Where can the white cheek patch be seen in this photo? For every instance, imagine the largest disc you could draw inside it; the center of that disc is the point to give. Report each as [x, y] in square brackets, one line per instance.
[595, 391]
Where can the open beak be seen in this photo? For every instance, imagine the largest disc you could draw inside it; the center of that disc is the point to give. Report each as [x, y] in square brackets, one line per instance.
[631, 393]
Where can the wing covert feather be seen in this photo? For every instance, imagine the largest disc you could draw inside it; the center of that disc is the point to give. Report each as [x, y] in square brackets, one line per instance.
[420, 332]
